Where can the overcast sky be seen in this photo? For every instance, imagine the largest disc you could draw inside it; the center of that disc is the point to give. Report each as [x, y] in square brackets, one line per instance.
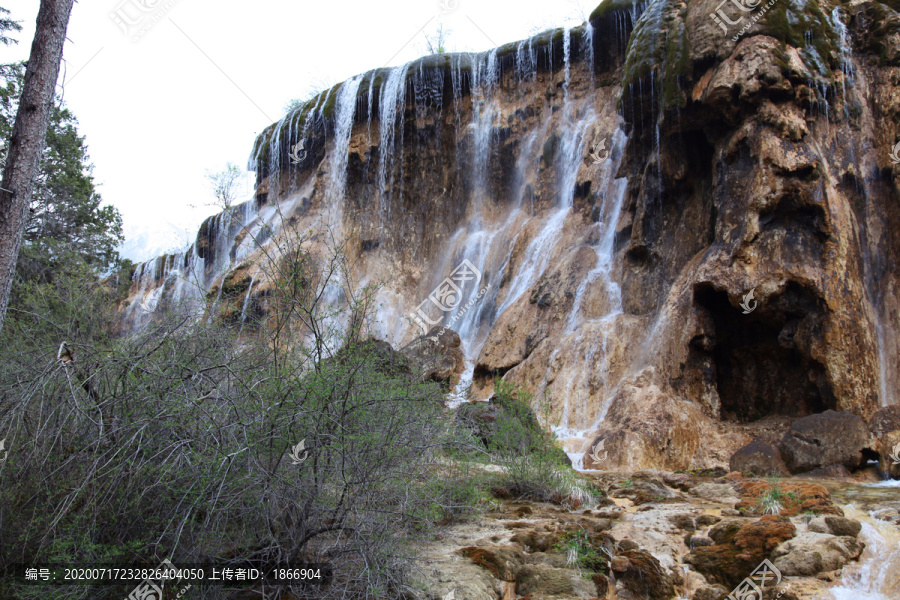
[162, 106]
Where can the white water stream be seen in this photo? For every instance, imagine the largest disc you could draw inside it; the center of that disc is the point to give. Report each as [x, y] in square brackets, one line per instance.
[877, 574]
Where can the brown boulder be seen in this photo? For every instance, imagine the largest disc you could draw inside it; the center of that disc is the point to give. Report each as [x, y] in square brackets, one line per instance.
[758, 458]
[825, 439]
[641, 574]
[544, 580]
[437, 354]
[811, 553]
[890, 454]
[795, 498]
[885, 420]
[536, 541]
[642, 490]
[739, 549]
[647, 428]
[835, 525]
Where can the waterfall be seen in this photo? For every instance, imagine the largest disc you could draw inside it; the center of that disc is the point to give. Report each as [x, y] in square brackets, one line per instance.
[392, 100]
[490, 248]
[872, 236]
[584, 328]
[337, 166]
[247, 299]
[588, 42]
[567, 49]
[526, 61]
[369, 99]
[483, 112]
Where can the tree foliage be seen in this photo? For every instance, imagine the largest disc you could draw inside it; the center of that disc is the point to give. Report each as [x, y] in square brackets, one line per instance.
[66, 216]
[176, 441]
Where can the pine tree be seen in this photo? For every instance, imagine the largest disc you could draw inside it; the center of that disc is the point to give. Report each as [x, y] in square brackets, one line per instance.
[65, 217]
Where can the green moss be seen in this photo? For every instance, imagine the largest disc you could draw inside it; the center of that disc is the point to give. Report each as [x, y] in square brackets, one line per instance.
[885, 23]
[677, 65]
[237, 282]
[609, 6]
[790, 21]
[659, 44]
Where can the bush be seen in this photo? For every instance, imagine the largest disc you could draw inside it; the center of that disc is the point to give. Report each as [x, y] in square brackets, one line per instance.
[177, 443]
[533, 465]
[581, 552]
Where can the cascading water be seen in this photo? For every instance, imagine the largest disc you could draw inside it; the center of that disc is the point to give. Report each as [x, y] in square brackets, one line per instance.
[337, 172]
[491, 248]
[392, 100]
[877, 575]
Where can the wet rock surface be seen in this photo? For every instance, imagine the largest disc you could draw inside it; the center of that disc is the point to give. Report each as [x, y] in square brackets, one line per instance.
[691, 546]
[731, 257]
[437, 354]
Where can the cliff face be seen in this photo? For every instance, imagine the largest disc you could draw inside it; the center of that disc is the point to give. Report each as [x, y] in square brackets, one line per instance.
[604, 199]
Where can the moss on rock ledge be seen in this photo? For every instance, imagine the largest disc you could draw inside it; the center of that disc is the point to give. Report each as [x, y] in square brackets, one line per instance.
[659, 49]
[610, 6]
[803, 24]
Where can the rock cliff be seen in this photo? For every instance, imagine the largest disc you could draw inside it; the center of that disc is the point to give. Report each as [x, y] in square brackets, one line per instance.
[672, 221]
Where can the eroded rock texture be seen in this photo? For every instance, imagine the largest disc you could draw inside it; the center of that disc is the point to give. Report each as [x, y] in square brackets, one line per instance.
[676, 230]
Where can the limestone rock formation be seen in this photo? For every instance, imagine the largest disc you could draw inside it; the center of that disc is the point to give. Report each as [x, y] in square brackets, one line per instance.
[663, 228]
[811, 553]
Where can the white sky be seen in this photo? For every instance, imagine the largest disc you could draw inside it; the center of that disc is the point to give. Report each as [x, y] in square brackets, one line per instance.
[158, 113]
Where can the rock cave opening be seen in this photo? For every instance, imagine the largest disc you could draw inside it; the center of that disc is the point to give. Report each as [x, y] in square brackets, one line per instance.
[759, 368]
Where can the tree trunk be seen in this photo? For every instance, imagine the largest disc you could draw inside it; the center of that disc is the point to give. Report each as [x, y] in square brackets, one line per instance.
[29, 136]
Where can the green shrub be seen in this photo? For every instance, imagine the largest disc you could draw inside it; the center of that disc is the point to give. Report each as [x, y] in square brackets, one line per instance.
[581, 553]
[533, 465]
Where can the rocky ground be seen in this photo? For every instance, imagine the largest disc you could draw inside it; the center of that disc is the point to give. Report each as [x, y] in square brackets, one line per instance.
[658, 535]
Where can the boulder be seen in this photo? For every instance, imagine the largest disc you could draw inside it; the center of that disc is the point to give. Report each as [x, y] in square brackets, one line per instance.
[641, 490]
[723, 493]
[835, 525]
[796, 497]
[885, 420]
[710, 592]
[458, 577]
[811, 553]
[739, 548]
[889, 456]
[825, 439]
[647, 428]
[829, 472]
[758, 458]
[641, 574]
[437, 354]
